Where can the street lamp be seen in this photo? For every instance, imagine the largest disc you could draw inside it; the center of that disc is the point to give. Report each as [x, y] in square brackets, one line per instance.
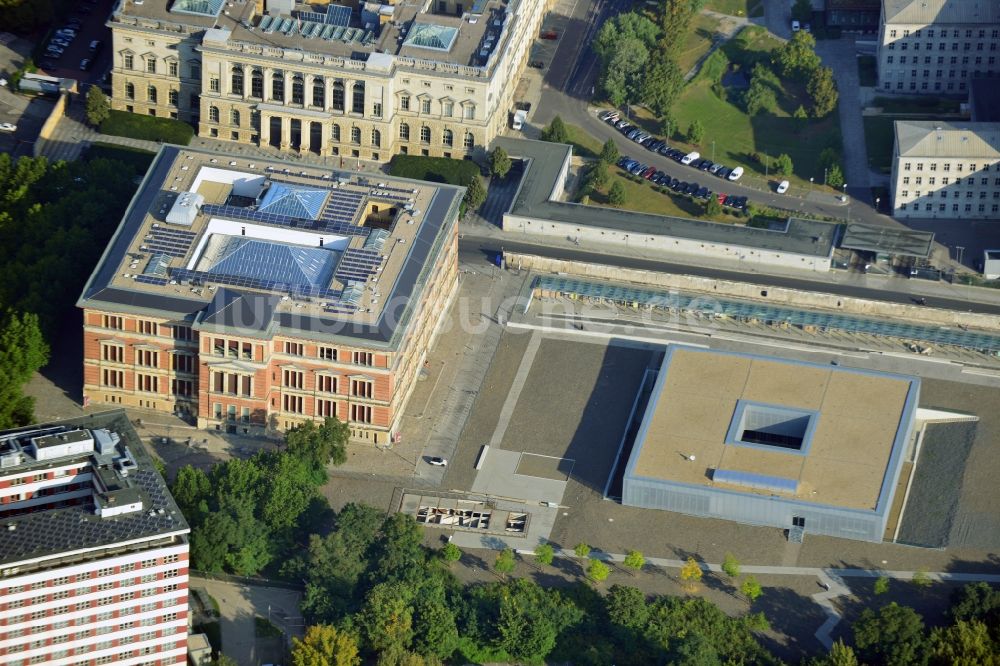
[811, 188]
[877, 199]
[713, 151]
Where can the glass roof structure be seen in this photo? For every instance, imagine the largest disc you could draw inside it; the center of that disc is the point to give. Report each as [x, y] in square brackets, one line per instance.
[758, 481]
[199, 7]
[293, 265]
[431, 36]
[745, 310]
[292, 201]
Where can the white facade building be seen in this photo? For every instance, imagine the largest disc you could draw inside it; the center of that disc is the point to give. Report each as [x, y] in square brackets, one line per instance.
[949, 170]
[937, 46]
[94, 553]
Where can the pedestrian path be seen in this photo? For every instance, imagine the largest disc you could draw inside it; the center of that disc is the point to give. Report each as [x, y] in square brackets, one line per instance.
[841, 56]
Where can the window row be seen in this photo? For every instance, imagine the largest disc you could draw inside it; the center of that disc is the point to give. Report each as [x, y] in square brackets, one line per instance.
[943, 194]
[959, 166]
[945, 181]
[990, 60]
[942, 208]
[446, 106]
[447, 136]
[955, 33]
[295, 89]
[943, 46]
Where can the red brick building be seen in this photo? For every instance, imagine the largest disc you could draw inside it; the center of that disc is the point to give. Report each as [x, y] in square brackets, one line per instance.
[252, 299]
[94, 554]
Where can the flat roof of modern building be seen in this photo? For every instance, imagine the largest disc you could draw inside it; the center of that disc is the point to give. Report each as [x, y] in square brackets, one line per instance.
[407, 29]
[54, 531]
[935, 139]
[255, 247]
[814, 433]
[545, 167]
[898, 241]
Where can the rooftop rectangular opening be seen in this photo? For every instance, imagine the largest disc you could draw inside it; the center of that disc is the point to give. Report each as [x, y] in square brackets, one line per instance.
[771, 426]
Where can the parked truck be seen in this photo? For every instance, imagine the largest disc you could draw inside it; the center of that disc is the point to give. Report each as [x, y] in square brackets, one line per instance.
[519, 117]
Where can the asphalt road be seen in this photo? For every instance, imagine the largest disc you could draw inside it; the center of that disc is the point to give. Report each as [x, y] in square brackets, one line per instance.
[483, 247]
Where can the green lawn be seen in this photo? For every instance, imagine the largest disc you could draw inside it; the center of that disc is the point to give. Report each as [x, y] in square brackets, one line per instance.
[737, 7]
[149, 128]
[739, 138]
[868, 71]
[584, 145]
[136, 157]
[698, 42]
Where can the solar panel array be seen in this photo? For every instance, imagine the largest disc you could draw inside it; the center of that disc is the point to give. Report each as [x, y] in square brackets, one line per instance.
[758, 481]
[252, 215]
[338, 15]
[170, 242]
[319, 28]
[151, 279]
[342, 207]
[358, 265]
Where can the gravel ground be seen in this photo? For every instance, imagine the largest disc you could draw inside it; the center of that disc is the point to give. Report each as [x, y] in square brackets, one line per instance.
[937, 484]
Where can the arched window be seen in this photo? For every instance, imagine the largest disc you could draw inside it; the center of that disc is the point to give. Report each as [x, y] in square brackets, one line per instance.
[234, 117]
[151, 94]
[213, 114]
[448, 138]
[319, 92]
[404, 132]
[237, 80]
[278, 86]
[336, 132]
[355, 135]
[470, 141]
[425, 134]
[338, 95]
[257, 84]
[376, 138]
[129, 91]
[358, 100]
[298, 90]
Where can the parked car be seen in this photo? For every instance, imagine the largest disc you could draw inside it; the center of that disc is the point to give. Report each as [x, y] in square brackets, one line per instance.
[735, 174]
[705, 165]
[664, 149]
[612, 119]
[8, 127]
[783, 187]
[550, 34]
[637, 169]
[54, 51]
[692, 188]
[437, 461]
[537, 64]
[703, 193]
[606, 114]
[795, 26]
[721, 197]
[85, 64]
[61, 43]
[648, 172]
[622, 124]
[690, 157]
[659, 176]
[95, 46]
[623, 160]
[723, 172]
[714, 168]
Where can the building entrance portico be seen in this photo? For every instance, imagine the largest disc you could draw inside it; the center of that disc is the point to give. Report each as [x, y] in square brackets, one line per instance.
[287, 129]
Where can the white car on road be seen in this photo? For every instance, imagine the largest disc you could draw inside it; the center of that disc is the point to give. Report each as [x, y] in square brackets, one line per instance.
[8, 127]
[783, 187]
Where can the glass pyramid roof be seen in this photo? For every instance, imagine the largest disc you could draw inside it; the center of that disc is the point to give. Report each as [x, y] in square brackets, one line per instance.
[269, 261]
[200, 7]
[430, 36]
[293, 201]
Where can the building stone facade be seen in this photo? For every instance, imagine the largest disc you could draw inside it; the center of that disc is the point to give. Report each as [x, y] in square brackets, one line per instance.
[435, 80]
[936, 47]
[949, 170]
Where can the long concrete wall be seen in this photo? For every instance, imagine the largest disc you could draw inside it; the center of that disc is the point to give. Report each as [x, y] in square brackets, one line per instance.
[58, 111]
[606, 236]
[756, 292]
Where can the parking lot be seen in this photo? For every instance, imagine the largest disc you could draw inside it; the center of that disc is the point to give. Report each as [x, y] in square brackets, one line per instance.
[90, 17]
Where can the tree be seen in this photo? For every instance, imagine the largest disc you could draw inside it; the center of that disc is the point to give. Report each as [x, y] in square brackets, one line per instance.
[731, 566]
[451, 552]
[544, 553]
[98, 106]
[635, 560]
[530, 619]
[435, 633]
[609, 152]
[691, 571]
[504, 563]
[224, 660]
[802, 11]
[475, 193]
[556, 132]
[616, 194]
[597, 176]
[800, 113]
[797, 57]
[499, 162]
[696, 132]
[319, 445]
[751, 589]
[834, 176]
[840, 654]
[712, 207]
[386, 619]
[324, 645]
[894, 634]
[582, 550]
[964, 644]
[192, 490]
[232, 539]
[783, 164]
[976, 601]
[922, 579]
[397, 555]
[626, 607]
[22, 353]
[881, 585]
[822, 89]
[663, 83]
[598, 571]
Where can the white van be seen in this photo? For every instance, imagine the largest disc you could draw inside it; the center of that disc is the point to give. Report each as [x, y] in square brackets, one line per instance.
[690, 157]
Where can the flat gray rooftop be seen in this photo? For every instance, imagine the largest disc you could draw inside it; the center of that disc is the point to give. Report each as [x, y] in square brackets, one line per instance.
[898, 241]
[58, 530]
[545, 162]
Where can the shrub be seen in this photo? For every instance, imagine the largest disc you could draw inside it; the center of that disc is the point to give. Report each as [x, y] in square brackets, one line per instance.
[148, 128]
